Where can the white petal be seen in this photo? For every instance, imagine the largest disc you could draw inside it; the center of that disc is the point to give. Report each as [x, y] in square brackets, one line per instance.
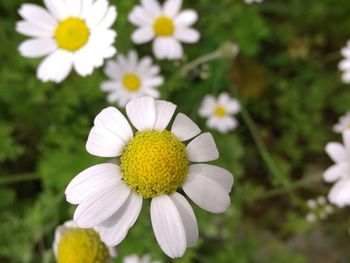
[108, 20]
[114, 121]
[37, 47]
[32, 30]
[346, 140]
[152, 6]
[186, 18]
[142, 35]
[188, 218]
[168, 226]
[336, 152]
[187, 35]
[202, 149]
[96, 13]
[74, 7]
[336, 172]
[207, 193]
[184, 128]
[56, 66]
[340, 193]
[208, 106]
[216, 173]
[172, 7]
[167, 48]
[164, 112]
[91, 182]
[95, 210]
[104, 143]
[83, 61]
[86, 7]
[37, 15]
[57, 8]
[139, 17]
[142, 113]
[115, 228]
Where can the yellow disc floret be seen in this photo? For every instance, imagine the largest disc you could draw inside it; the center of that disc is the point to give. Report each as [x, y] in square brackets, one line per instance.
[132, 82]
[80, 245]
[220, 112]
[72, 34]
[154, 163]
[163, 26]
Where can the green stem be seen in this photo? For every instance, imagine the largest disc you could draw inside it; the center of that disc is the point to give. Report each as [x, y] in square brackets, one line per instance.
[18, 178]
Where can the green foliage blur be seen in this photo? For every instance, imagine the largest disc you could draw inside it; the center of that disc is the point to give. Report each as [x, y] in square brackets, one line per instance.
[287, 79]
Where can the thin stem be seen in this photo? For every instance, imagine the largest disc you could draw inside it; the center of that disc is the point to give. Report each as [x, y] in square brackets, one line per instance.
[18, 178]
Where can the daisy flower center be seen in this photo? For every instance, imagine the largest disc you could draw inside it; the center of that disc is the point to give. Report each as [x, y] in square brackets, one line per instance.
[131, 82]
[154, 163]
[163, 26]
[72, 34]
[220, 112]
[81, 245]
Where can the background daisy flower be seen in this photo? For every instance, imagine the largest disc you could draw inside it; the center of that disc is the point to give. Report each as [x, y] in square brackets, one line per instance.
[154, 163]
[343, 123]
[136, 259]
[165, 25]
[219, 112]
[344, 65]
[74, 33]
[340, 171]
[131, 78]
[80, 245]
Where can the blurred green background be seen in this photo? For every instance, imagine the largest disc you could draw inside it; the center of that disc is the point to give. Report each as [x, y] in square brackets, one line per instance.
[287, 79]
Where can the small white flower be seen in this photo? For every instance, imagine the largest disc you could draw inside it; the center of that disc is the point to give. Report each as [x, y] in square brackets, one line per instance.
[340, 171]
[136, 259]
[154, 163]
[166, 25]
[311, 203]
[72, 244]
[252, 1]
[69, 33]
[344, 65]
[343, 124]
[131, 78]
[220, 112]
[311, 218]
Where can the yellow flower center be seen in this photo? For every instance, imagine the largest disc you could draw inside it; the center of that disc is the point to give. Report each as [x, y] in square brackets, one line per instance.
[132, 82]
[80, 245]
[163, 26]
[154, 163]
[72, 34]
[220, 112]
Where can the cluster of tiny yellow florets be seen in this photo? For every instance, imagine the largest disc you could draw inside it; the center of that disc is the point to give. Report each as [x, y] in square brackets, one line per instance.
[81, 246]
[154, 163]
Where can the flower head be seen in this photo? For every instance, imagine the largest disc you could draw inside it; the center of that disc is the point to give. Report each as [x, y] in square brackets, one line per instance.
[340, 171]
[220, 112]
[131, 78]
[154, 163]
[318, 209]
[136, 259]
[166, 25]
[343, 124]
[79, 245]
[74, 33]
[344, 64]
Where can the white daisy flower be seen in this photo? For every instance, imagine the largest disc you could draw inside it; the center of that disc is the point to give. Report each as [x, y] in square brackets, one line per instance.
[220, 112]
[253, 1]
[80, 245]
[154, 163]
[340, 171]
[136, 259]
[131, 78]
[343, 124]
[166, 25]
[69, 33]
[344, 64]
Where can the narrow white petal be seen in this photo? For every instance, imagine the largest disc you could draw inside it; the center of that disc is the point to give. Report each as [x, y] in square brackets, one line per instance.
[186, 18]
[202, 149]
[207, 193]
[37, 15]
[346, 140]
[168, 226]
[340, 193]
[167, 48]
[336, 172]
[172, 7]
[114, 121]
[57, 8]
[184, 128]
[336, 152]
[142, 113]
[37, 47]
[32, 30]
[188, 218]
[187, 35]
[139, 17]
[152, 6]
[86, 7]
[74, 7]
[92, 181]
[142, 35]
[164, 112]
[108, 20]
[216, 173]
[95, 210]
[96, 13]
[56, 66]
[208, 106]
[83, 61]
[115, 228]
